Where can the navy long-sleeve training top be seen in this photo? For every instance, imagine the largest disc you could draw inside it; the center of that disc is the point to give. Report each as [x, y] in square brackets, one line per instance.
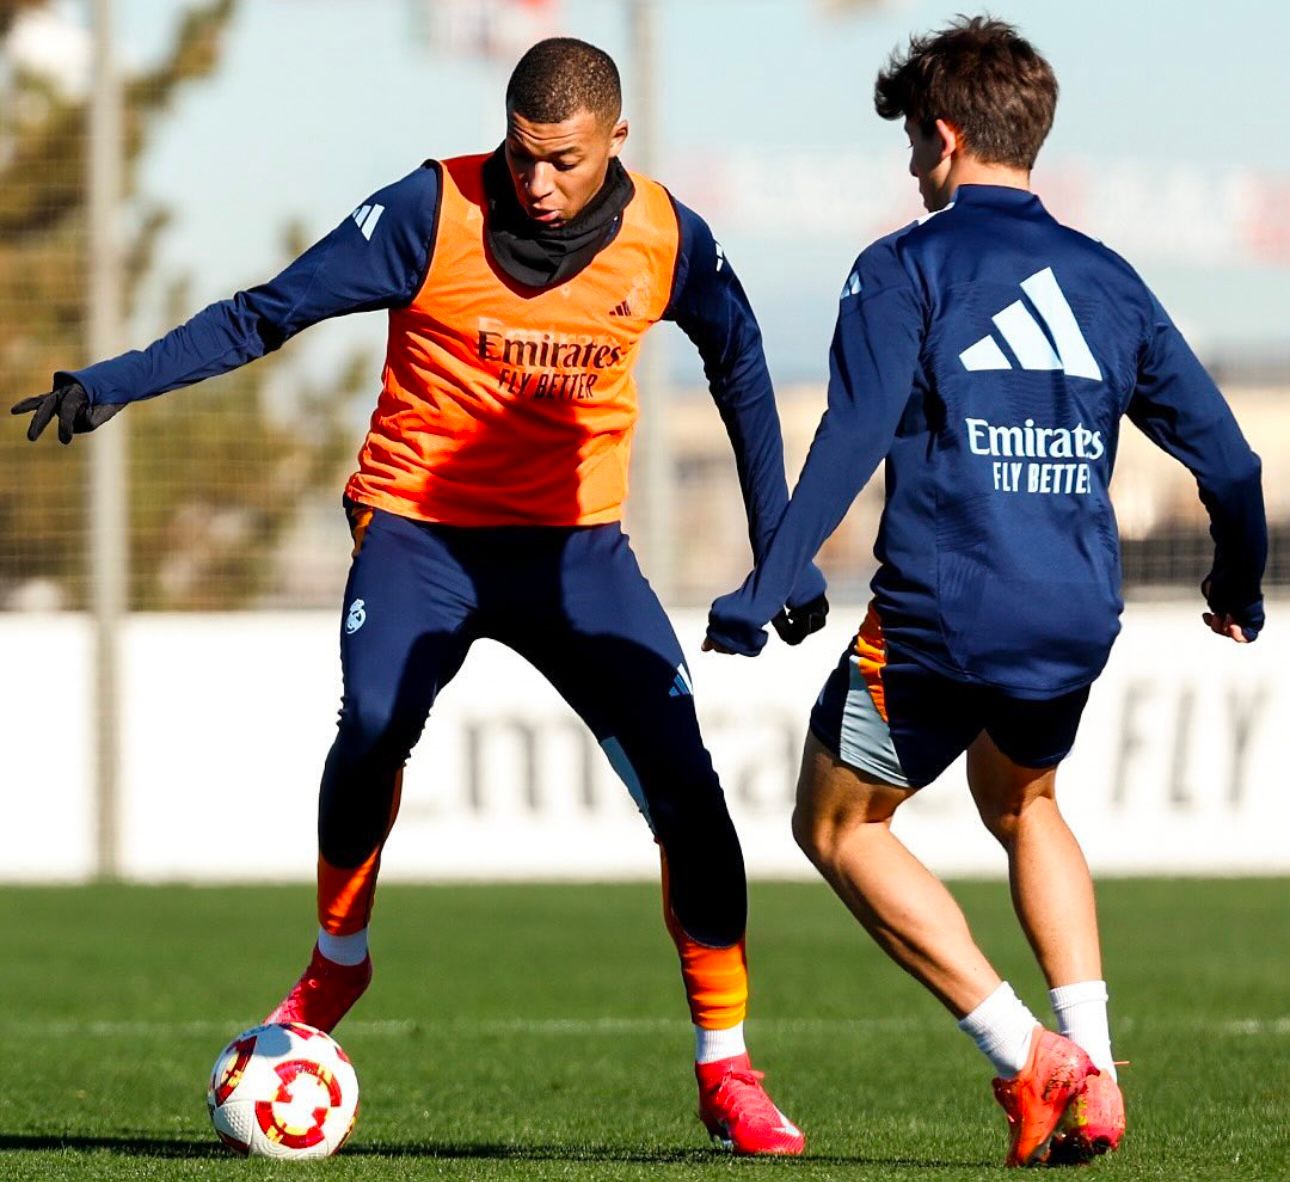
[989, 353]
[371, 263]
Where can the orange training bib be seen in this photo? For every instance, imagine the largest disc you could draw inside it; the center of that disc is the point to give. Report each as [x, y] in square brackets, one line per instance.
[505, 405]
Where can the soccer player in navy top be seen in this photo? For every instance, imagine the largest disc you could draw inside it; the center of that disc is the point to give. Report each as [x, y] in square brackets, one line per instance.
[988, 353]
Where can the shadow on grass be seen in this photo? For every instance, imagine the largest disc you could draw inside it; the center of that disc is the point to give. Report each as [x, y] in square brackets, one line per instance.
[158, 1147]
[124, 1144]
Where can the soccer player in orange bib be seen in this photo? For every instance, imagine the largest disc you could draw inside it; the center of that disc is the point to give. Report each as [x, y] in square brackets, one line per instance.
[488, 498]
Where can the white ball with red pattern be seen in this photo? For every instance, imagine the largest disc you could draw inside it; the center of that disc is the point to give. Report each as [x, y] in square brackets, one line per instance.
[283, 1091]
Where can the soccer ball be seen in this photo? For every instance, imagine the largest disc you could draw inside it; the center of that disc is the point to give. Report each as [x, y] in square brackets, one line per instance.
[283, 1091]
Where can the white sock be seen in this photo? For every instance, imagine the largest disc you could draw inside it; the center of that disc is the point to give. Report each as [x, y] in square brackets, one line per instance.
[343, 949]
[1002, 1027]
[1081, 1017]
[711, 1045]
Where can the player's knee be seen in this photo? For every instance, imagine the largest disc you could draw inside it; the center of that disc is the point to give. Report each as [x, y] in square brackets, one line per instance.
[837, 807]
[1004, 816]
[680, 788]
[1001, 819]
[811, 838]
[1009, 795]
[677, 818]
[820, 832]
[373, 727]
[364, 724]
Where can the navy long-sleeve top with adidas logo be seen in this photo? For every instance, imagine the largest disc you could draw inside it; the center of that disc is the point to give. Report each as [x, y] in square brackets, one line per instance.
[989, 354]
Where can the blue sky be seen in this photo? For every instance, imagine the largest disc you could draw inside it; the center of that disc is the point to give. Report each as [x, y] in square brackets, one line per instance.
[318, 102]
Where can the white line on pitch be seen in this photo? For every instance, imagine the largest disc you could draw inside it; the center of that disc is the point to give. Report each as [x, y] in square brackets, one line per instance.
[403, 1026]
[399, 1027]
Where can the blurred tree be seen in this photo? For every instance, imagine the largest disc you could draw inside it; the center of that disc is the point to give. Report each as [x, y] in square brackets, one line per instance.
[10, 10]
[214, 480]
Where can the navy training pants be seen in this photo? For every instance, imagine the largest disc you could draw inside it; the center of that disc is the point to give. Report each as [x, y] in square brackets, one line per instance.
[573, 602]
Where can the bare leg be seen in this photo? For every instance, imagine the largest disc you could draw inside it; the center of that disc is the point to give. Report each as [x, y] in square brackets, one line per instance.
[843, 824]
[1052, 890]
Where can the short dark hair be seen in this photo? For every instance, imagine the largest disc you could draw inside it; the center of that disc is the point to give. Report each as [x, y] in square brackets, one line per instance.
[560, 76]
[980, 75]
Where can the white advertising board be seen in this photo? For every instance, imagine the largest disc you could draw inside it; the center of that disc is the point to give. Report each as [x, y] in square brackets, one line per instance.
[1180, 766]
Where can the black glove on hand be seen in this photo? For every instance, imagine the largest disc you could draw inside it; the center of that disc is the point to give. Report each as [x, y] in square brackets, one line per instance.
[795, 624]
[70, 402]
[1240, 607]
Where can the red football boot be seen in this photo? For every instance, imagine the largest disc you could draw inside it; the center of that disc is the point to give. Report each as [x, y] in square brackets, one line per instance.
[324, 994]
[1036, 1098]
[738, 1113]
[1093, 1124]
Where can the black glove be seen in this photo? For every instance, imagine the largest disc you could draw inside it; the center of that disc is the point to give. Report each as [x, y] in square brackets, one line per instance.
[795, 624]
[70, 402]
[1240, 608]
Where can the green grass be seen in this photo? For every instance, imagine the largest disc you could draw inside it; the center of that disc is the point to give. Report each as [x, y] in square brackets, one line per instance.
[539, 1032]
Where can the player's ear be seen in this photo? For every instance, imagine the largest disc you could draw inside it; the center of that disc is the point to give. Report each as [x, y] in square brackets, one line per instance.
[950, 136]
[618, 137]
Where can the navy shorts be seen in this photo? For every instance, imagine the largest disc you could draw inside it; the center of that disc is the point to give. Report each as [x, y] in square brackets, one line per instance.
[884, 714]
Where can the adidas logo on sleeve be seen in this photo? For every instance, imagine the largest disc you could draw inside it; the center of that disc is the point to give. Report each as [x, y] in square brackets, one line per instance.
[1028, 342]
[367, 216]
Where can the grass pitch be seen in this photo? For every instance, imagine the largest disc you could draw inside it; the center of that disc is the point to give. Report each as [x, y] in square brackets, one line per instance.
[540, 1032]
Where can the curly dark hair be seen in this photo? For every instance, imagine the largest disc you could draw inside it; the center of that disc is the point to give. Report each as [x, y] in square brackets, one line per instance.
[560, 76]
[980, 75]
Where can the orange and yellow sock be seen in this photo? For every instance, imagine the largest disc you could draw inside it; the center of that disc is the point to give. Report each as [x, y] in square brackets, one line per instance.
[346, 895]
[716, 987]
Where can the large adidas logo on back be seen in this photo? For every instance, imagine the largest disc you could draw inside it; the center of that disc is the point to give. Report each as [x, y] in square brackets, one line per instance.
[1026, 339]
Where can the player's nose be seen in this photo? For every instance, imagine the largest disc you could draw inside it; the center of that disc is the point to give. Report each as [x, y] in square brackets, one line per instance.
[540, 181]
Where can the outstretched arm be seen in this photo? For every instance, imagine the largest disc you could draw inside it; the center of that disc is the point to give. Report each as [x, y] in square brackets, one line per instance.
[1179, 408]
[872, 364]
[376, 258]
[709, 305]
